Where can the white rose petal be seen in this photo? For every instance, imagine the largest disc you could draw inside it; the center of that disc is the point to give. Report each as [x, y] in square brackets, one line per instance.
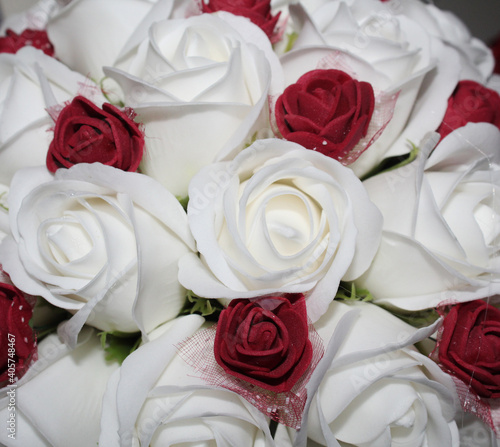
[89, 34]
[60, 376]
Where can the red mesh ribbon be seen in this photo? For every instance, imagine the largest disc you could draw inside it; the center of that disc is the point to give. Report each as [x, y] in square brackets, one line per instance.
[385, 104]
[285, 408]
[488, 410]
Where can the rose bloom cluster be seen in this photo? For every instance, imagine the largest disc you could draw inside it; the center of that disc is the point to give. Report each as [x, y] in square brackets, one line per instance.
[254, 223]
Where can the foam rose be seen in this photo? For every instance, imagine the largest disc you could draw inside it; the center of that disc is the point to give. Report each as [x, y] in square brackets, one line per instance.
[79, 376]
[31, 82]
[167, 403]
[279, 217]
[440, 237]
[199, 86]
[89, 34]
[391, 51]
[100, 242]
[386, 392]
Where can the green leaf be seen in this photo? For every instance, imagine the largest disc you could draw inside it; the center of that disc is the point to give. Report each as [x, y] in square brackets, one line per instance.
[292, 37]
[348, 292]
[183, 201]
[118, 103]
[253, 139]
[118, 345]
[2, 205]
[208, 308]
[418, 319]
[391, 163]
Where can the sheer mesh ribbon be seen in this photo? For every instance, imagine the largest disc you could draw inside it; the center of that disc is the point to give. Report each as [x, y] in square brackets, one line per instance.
[285, 408]
[385, 104]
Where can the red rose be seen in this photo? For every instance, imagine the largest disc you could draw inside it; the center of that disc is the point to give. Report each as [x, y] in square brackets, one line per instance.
[469, 347]
[258, 11]
[13, 42]
[470, 103]
[265, 341]
[17, 341]
[327, 111]
[85, 133]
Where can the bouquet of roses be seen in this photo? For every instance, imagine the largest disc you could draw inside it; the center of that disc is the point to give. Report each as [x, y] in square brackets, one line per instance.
[248, 223]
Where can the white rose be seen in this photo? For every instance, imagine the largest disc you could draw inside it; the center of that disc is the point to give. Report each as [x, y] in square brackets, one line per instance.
[100, 242]
[477, 61]
[58, 401]
[31, 82]
[278, 218]
[166, 403]
[199, 86]
[441, 223]
[89, 34]
[377, 389]
[392, 52]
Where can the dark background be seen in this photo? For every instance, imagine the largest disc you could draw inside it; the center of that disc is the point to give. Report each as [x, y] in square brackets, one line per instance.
[481, 16]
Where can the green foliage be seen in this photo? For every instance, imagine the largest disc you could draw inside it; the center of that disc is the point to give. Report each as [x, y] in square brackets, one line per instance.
[208, 308]
[292, 37]
[118, 346]
[348, 292]
[418, 319]
[118, 103]
[391, 163]
[1, 204]
[183, 201]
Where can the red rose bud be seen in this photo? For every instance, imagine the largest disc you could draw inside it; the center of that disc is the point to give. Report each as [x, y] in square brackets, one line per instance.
[258, 11]
[12, 42]
[470, 103]
[469, 347]
[327, 111]
[17, 340]
[265, 341]
[85, 133]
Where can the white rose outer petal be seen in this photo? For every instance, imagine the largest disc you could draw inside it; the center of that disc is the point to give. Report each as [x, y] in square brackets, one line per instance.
[167, 403]
[279, 218]
[99, 241]
[440, 223]
[200, 86]
[385, 392]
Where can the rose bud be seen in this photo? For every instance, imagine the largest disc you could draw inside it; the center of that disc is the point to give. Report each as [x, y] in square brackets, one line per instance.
[12, 42]
[17, 341]
[469, 346]
[265, 341]
[258, 11]
[327, 111]
[470, 103]
[85, 133]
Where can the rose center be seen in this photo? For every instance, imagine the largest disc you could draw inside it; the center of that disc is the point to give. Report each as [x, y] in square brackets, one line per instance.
[68, 242]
